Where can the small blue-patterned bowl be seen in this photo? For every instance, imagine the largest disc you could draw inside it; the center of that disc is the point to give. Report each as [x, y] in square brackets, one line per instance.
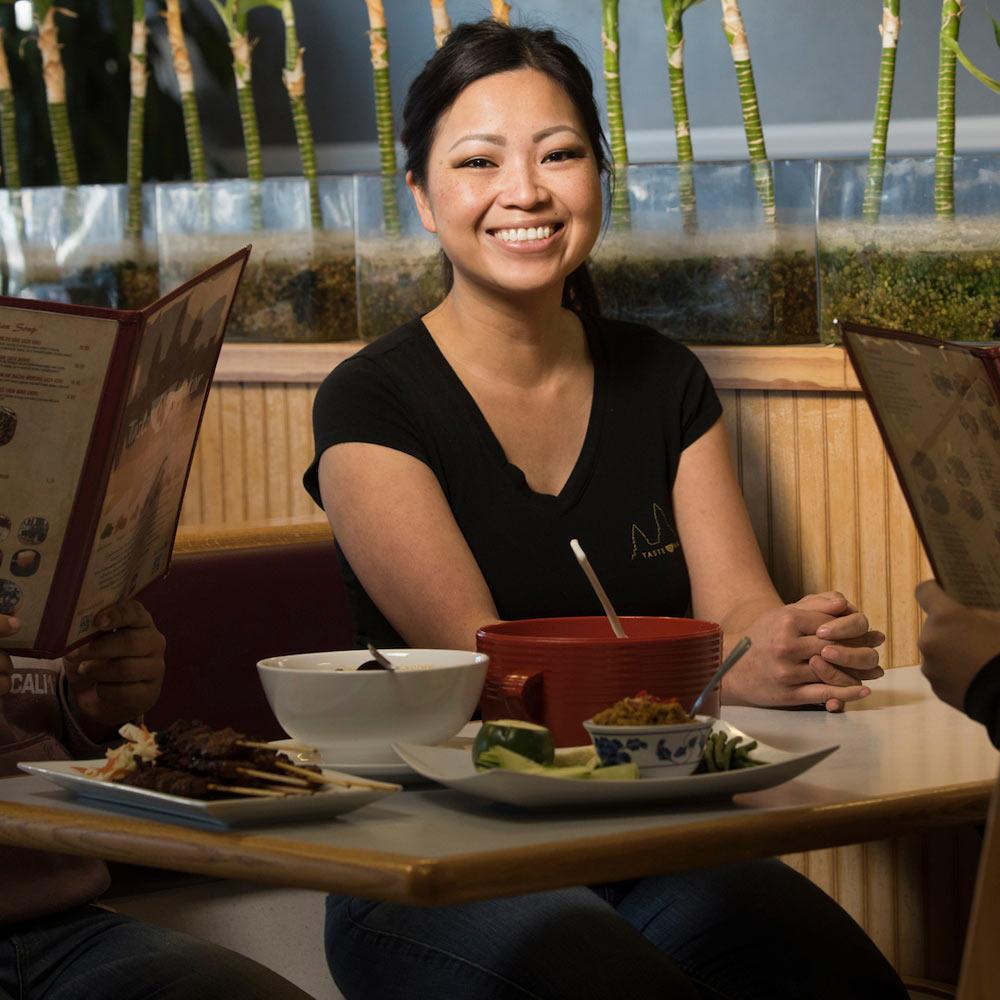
[659, 751]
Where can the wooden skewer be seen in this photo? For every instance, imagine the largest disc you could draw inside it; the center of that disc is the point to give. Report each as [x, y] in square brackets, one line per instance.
[262, 793]
[283, 779]
[336, 778]
[294, 747]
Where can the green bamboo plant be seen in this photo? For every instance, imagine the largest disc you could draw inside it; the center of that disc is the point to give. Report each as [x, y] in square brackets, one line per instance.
[975, 71]
[501, 10]
[8, 129]
[944, 154]
[442, 23]
[234, 16]
[673, 14]
[138, 76]
[54, 76]
[294, 77]
[889, 30]
[185, 83]
[616, 117]
[378, 40]
[739, 48]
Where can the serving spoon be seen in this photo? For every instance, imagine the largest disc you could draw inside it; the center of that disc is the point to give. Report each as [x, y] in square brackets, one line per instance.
[727, 664]
[581, 558]
[377, 662]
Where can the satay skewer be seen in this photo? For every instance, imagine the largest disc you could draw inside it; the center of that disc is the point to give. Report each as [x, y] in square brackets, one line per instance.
[283, 779]
[336, 778]
[263, 793]
[293, 747]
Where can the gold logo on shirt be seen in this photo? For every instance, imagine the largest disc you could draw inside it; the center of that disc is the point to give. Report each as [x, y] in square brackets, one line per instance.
[644, 547]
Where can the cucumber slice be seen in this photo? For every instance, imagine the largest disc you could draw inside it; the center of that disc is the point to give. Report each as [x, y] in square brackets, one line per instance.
[616, 772]
[524, 738]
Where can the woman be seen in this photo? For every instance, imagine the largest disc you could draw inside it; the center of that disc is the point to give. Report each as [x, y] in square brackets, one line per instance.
[457, 456]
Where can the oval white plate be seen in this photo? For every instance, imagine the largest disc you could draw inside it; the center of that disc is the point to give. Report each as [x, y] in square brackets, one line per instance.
[454, 768]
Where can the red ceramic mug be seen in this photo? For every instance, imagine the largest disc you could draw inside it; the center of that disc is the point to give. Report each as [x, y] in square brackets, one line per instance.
[559, 671]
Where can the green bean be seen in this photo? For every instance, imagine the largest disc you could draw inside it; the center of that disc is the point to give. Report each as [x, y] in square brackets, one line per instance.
[727, 752]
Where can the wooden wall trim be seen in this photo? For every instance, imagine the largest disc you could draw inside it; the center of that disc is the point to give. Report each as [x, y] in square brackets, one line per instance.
[809, 367]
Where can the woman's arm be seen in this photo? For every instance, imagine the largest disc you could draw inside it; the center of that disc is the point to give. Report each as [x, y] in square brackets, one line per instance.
[395, 527]
[813, 652]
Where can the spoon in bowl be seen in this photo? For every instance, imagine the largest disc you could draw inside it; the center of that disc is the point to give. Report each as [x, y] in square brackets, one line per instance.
[581, 558]
[727, 664]
[377, 662]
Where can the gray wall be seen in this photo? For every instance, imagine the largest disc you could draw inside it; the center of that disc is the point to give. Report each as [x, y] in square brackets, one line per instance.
[815, 61]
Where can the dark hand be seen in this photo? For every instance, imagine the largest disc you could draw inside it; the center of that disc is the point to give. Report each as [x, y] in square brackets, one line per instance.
[117, 675]
[955, 642]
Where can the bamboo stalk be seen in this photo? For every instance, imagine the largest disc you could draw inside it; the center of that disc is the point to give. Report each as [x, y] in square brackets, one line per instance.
[8, 125]
[673, 13]
[138, 77]
[54, 76]
[616, 116]
[739, 48]
[185, 82]
[944, 153]
[242, 50]
[889, 30]
[378, 40]
[501, 10]
[442, 23]
[294, 77]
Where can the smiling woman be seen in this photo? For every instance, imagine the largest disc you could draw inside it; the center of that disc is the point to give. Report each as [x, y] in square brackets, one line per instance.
[458, 455]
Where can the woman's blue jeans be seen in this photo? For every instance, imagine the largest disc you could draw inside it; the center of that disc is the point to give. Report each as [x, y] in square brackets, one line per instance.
[92, 954]
[754, 931]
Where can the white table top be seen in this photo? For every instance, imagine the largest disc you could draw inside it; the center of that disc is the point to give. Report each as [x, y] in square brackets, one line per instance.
[906, 760]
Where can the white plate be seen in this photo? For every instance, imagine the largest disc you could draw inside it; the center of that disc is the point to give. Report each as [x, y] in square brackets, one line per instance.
[389, 770]
[454, 768]
[213, 813]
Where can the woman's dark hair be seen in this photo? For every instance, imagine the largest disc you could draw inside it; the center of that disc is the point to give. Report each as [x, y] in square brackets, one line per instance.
[480, 49]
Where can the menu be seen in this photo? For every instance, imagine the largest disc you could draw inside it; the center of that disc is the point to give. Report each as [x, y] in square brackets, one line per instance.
[937, 406]
[99, 416]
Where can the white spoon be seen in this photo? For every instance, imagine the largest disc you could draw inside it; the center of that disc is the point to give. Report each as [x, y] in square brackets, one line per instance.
[727, 664]
[581, 558]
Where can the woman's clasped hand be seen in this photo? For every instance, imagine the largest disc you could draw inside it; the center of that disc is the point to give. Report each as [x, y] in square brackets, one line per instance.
[817, 651]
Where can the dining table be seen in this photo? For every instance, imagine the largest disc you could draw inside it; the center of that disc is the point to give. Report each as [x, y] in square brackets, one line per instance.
[905, 762]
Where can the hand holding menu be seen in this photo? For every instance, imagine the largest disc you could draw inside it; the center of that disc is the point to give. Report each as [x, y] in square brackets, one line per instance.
[937, 406]
[99, 414]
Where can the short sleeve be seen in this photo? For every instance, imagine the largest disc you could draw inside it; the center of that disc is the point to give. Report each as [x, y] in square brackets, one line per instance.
[700, 405]
[358, 402]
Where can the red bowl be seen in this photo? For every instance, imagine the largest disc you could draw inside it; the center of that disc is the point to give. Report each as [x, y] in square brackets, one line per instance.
[558, 672]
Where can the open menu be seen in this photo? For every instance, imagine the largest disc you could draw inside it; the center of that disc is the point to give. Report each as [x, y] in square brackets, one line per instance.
[99, 414]
[937, 406]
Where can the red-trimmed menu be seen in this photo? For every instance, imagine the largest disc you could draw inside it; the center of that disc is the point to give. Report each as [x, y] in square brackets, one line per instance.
[99, 415]
[937, 406]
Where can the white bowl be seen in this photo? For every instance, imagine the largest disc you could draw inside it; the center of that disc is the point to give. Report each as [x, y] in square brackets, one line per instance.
[659, 751]
[353, 717]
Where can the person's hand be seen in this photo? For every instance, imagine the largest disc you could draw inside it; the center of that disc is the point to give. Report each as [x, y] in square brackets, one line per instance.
[814, 652]
[8, 626]
[118, 674]
[955, 642]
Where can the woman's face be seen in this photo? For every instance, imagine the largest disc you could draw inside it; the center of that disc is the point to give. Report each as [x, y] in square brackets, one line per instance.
[512, 188]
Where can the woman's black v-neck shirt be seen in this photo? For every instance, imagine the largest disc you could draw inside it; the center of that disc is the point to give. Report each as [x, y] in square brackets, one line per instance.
[652, 398]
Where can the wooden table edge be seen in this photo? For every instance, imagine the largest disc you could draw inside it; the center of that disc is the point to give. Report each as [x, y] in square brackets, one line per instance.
[420, 880]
